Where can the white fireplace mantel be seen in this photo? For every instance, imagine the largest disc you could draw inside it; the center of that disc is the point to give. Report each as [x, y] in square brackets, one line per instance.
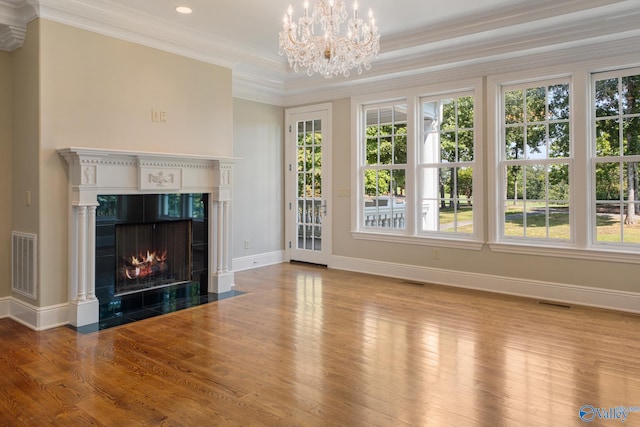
[94, 172]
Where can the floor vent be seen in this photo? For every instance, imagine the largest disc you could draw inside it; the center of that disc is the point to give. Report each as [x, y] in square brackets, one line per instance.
[23, 263]
[310, 264]
[554, 304]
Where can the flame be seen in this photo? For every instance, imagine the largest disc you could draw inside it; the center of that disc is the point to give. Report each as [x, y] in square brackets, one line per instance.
[141, 265]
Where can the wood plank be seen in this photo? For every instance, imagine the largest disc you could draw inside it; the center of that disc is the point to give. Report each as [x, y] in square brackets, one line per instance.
[311, 346]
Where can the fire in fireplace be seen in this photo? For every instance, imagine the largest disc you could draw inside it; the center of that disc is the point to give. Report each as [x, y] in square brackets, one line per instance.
[152, 255]
[141, 266]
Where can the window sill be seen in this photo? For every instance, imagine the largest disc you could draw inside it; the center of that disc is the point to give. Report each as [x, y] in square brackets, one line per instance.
[440, 242]
[590, 254]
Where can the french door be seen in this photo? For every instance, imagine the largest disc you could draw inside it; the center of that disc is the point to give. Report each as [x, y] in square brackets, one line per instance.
[308, 185]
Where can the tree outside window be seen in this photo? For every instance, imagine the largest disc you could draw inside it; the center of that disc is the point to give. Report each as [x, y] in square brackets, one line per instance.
[617, 154]
[446, 160]
[384, 172]
[535, 164]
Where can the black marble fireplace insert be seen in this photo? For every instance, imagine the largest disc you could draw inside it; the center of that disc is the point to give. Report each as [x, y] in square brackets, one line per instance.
[151, 253]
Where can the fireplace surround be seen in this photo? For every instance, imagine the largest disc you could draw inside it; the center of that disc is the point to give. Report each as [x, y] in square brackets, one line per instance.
[96, 173]
[149, 244]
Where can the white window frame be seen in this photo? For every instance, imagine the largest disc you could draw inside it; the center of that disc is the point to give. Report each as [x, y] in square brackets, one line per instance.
[437, 164]
[410, 234]
[582, 191]
[503, 162]
[363, 166]
[594, 160]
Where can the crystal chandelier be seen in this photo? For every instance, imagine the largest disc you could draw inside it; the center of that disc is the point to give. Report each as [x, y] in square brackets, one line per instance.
[329, 54]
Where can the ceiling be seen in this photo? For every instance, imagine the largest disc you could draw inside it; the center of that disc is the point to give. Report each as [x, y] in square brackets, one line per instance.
[417, 36]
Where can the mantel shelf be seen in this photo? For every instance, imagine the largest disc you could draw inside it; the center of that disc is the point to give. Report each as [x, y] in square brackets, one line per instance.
[101, 152]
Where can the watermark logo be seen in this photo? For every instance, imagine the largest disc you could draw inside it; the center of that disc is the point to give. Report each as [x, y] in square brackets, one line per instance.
[589, 413]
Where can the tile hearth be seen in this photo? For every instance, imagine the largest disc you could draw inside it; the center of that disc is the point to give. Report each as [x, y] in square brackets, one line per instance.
[152, 303]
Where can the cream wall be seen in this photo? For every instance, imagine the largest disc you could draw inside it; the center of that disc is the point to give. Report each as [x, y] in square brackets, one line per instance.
[25, 153]
[99, 92]
[6, 98]
[258, 198]
[341, 176]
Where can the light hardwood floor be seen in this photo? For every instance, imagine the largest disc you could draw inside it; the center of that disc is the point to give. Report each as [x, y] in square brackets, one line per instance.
[306, 346]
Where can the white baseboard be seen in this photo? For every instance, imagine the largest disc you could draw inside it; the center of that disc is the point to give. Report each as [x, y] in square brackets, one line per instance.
[259, 260]
[547, 291]
[38, 318]
[4, 307]
[41, 318]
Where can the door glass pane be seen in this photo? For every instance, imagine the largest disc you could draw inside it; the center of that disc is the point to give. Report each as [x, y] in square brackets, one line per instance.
[309, 197]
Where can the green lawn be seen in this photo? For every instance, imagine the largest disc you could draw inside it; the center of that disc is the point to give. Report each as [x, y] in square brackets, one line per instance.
[465, 213]
[608, 230]
[464, 216]
[608, 226]
[537, 225]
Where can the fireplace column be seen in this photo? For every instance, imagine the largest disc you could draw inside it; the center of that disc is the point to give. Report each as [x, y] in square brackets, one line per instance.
[83, 186]
[82, 296]
[222, 279]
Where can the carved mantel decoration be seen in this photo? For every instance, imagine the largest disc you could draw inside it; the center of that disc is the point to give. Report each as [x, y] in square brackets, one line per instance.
[94, 172]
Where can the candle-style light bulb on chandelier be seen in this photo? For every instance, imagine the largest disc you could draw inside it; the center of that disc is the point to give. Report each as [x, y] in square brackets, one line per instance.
[329, 53]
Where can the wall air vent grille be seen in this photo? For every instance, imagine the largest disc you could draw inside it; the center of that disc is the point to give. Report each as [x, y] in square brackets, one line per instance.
[23, 263]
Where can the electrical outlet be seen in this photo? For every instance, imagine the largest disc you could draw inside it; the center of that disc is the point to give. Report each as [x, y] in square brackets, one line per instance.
[246, 244]
[436, 254]
[158, 116]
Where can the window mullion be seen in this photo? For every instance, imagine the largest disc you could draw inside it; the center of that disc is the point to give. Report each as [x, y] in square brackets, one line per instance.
[581, 190]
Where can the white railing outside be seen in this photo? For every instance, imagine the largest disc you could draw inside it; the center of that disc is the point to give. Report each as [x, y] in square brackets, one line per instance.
[385, 212]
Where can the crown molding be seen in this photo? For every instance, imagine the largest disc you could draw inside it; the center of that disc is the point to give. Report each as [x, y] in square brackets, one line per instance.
[419, 74]
[251, 87]
[515, 17]
[513, 39]
[17, 12]
[474, 42]
[14, 16]
[12, 37]
[114, 20]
